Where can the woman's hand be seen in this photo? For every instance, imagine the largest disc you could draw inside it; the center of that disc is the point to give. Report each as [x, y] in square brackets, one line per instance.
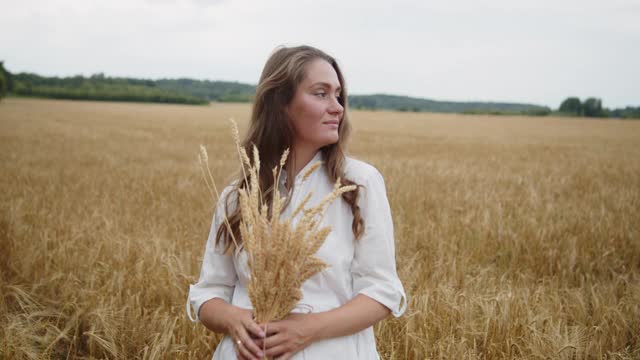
[287, 337]
[241, 327]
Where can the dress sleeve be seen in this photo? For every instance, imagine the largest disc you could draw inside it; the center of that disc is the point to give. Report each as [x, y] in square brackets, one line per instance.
[217, 275]
[374, 264]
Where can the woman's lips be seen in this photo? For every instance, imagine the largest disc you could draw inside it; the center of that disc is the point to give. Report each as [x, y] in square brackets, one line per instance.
[332, 122]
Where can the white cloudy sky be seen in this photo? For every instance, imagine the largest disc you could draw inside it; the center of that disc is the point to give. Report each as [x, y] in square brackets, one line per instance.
[534, 51]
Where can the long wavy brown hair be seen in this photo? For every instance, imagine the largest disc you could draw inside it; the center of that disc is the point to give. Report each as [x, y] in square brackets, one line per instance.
[271, 131]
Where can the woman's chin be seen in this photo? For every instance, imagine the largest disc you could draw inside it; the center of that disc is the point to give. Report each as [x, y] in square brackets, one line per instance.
[330, 141]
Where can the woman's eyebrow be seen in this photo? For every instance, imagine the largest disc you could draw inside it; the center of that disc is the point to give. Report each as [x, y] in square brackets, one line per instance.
[326, 85]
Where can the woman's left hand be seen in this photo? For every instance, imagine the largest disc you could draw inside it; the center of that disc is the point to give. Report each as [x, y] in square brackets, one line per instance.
[288, 336]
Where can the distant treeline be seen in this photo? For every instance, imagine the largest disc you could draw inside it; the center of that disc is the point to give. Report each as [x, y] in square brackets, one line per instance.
[592, 107]
[572, 106]
[405, 103]
[190, 91]
[101, 87]
[222, 91]
[96, 87]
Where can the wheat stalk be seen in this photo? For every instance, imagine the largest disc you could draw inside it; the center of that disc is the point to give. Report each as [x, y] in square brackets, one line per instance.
[281, 256]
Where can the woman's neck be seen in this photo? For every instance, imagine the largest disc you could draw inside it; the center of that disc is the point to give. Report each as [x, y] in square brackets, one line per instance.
[301, 157]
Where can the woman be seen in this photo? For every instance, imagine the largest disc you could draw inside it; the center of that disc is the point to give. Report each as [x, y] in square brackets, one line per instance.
[300, 104]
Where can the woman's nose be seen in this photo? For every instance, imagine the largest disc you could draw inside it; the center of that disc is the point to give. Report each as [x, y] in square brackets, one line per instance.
[336, 107]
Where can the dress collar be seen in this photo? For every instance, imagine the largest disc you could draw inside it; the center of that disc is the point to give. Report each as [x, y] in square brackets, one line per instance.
[317, 157]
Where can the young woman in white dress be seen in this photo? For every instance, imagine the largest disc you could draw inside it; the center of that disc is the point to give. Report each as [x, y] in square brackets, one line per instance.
[300, 104]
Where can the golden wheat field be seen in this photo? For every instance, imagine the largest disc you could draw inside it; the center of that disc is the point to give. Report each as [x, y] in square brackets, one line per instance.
[516, 237]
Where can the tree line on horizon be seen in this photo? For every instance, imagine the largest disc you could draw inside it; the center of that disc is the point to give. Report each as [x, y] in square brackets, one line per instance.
[592, 107]
[96, 87]
[200, 92]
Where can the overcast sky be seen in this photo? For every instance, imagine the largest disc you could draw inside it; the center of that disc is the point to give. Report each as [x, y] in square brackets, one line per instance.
[533, 51]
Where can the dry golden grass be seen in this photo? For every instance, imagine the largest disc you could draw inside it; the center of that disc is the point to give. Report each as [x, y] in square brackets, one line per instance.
[516, 237]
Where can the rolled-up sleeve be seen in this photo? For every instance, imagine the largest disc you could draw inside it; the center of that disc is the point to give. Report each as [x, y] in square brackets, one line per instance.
[217, 274]
[374, 264]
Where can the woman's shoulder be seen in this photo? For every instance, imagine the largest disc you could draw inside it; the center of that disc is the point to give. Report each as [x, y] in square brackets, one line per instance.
[228, 196]
[229, 188]
[358, 170]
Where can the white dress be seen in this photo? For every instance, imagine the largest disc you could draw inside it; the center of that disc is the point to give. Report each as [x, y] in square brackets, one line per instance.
[365, 266]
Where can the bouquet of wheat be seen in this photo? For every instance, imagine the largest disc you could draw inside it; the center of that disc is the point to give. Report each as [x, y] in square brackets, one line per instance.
[280, 254]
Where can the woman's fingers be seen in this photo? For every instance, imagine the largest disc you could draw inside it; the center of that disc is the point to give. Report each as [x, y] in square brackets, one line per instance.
[271, 328]
[277, 351]
[240, 356]
[243, 352]
[243, 328]
[255, 330]
[248, 344]
[259, 343]
[277, 345]
[244, 344]
[273, 341]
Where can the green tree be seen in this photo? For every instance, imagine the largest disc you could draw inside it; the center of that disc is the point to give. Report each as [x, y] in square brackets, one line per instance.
[4, 81]
[3, 86]
[571, 105]
[592, 107]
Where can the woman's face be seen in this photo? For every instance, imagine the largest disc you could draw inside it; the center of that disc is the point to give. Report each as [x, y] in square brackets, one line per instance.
[314, 110]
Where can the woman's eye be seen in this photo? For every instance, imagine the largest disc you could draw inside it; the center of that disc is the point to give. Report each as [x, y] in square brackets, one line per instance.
[322, 95]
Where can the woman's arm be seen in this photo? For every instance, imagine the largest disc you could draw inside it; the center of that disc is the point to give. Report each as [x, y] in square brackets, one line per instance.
[215, 314]
[356, 315]
[296, 332]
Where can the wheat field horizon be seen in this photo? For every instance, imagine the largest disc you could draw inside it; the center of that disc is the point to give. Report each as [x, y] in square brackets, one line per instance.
[516, 237]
